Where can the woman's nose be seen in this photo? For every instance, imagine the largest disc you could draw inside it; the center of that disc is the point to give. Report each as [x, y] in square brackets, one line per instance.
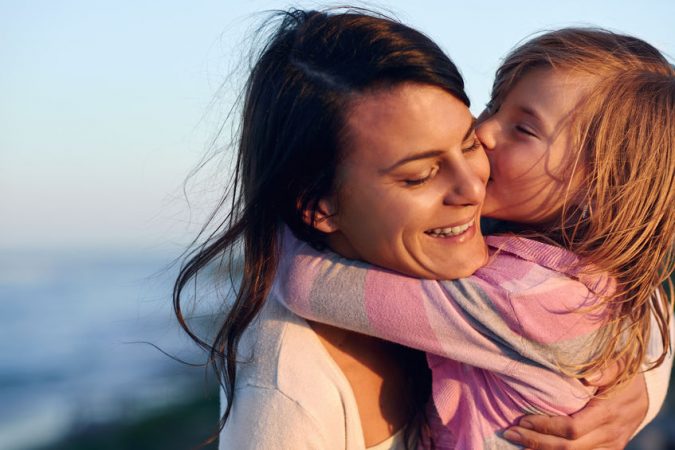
[467, 187]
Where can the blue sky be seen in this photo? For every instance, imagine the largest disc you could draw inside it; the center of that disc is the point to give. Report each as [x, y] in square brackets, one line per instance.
[106, 106]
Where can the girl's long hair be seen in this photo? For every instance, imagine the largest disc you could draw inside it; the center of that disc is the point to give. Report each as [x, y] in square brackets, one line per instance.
[623, 222]
[304, 78]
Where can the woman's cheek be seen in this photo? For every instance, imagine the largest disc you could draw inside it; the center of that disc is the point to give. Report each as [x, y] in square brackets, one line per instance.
[483, 169]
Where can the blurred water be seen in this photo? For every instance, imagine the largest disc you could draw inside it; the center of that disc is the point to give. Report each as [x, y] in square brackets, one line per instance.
[67, 323]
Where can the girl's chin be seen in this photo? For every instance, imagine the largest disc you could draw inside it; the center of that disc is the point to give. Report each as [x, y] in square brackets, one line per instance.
[494, 210]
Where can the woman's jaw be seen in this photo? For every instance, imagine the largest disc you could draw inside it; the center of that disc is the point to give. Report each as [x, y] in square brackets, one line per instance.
[465, 241]
[432, 253]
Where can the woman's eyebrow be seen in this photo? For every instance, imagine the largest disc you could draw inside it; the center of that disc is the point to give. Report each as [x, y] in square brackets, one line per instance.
[429, 153]
[470, 130]
[415, 157]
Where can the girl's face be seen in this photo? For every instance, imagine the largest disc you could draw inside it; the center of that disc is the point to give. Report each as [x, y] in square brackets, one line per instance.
[411, 185]
[528, 144]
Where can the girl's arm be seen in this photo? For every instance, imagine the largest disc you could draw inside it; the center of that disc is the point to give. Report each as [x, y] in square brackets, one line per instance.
[607, 422]
[349, 294]
[470, 320]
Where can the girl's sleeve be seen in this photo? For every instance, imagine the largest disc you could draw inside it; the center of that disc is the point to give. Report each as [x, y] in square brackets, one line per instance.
[468, 320]
[353, 295]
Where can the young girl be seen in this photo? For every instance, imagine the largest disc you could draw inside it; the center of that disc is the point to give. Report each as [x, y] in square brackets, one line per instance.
[580, 137]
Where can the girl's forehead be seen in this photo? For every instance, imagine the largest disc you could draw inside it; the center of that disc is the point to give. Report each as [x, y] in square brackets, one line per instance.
[550, 78]
[550, 91]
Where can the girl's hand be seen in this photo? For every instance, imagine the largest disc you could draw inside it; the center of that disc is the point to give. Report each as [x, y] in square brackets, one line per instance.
[603, 424]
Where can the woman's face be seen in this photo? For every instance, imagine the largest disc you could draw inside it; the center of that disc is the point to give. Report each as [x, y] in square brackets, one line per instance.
[412, 184]
[528, 144]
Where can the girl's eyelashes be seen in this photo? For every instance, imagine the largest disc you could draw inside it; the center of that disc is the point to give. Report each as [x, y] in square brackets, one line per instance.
[422, 179]
[526, 130]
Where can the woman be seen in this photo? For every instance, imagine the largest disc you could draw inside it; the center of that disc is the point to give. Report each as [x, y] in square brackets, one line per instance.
[283, 387]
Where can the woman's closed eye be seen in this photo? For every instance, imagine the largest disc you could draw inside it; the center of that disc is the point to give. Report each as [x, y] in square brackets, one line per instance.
[421, 179]
[475, 145]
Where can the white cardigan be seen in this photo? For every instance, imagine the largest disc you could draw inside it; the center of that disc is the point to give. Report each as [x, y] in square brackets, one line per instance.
[290, 393]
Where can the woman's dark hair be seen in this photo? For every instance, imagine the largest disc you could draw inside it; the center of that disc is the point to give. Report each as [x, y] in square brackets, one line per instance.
[291, 142]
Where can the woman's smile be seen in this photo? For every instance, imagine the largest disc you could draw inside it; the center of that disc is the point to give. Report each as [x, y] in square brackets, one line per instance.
[451, 230]
[412, 184]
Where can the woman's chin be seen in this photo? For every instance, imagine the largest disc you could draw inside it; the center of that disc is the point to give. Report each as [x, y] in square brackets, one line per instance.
[462, 264]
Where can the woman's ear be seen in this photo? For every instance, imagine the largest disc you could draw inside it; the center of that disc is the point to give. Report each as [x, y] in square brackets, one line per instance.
[323, 218]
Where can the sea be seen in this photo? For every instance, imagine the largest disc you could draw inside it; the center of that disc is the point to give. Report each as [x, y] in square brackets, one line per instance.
[89, 337]
[84, 338]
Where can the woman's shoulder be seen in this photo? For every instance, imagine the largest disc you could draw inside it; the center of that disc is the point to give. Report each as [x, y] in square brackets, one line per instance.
[285, 368]
[278, 346]
[263, 417]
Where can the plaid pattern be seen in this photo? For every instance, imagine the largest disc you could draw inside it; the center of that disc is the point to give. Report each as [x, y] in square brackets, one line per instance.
[496, 342]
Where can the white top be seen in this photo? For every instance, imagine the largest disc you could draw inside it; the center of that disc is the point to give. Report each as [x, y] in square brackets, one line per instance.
[657, 380]
[292, 395]
[395, 442]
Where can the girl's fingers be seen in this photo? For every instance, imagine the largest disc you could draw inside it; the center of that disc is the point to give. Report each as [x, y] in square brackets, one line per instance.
[538, 441]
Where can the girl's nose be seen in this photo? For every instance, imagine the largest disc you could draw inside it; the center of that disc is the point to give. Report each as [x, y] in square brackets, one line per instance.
[486, 131]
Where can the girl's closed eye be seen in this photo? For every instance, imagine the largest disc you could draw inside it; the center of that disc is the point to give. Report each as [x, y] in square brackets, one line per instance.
[527, 130]
[418, 181]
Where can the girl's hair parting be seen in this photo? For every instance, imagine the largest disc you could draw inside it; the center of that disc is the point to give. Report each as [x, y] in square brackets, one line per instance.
[623, 133]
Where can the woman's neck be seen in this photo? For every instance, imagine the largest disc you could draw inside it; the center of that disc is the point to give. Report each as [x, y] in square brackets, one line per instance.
[377, 376]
